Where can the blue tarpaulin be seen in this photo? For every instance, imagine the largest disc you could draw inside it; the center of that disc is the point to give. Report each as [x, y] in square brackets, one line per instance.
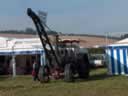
[21, 52]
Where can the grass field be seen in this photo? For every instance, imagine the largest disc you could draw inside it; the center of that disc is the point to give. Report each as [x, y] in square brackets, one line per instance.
[99, 84]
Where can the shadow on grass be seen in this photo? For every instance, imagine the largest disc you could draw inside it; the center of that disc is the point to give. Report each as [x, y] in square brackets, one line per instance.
[101, 76]
[98, 74]
[95, 78]
[4, 77]
[11, 87]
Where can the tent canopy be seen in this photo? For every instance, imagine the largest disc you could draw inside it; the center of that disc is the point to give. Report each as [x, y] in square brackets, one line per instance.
[120, 43]
[21, 47]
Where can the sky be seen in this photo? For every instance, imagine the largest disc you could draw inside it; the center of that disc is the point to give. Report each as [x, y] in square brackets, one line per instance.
[68, 16]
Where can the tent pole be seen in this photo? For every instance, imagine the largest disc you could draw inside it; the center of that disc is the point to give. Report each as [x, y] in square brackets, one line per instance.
[42, 59]
[13, 66]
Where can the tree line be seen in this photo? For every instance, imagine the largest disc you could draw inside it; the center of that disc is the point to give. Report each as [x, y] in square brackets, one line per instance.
[26, 31]
[33, 32]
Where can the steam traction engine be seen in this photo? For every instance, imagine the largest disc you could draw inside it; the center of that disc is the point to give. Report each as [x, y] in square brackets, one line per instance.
[65, 59]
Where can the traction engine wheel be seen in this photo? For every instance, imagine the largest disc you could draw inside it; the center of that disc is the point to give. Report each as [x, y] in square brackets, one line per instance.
[83, 69]
[68, 73]
[43, 74]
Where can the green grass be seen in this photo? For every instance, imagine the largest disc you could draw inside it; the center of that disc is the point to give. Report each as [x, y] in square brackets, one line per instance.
[99, 84]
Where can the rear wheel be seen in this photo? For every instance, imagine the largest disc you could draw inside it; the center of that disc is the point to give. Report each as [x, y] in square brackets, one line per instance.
[84, 66]
[83, 71]
[68, 73]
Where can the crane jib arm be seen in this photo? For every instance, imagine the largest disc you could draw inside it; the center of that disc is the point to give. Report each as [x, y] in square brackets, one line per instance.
[41, 32]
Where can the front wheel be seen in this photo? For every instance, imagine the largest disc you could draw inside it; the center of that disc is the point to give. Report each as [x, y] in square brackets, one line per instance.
[43, 74]
[68, 73]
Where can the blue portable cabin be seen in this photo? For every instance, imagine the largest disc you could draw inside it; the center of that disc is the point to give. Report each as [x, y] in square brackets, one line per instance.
[117, 58]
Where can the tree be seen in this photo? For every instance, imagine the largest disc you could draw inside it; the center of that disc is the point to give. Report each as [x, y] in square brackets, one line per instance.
[124, 36]
[30, 31]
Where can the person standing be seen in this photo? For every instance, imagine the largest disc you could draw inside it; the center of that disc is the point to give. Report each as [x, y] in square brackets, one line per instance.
[35, 71]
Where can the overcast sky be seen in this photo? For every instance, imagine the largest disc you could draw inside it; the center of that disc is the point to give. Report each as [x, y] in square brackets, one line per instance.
[68, 16]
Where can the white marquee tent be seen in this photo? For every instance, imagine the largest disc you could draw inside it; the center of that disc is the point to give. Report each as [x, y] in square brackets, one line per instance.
[15, 47]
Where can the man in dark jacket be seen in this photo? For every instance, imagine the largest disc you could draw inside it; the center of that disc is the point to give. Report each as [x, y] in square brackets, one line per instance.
[35, 71]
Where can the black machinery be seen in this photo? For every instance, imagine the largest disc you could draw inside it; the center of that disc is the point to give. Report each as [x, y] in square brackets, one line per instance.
[64, 60]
